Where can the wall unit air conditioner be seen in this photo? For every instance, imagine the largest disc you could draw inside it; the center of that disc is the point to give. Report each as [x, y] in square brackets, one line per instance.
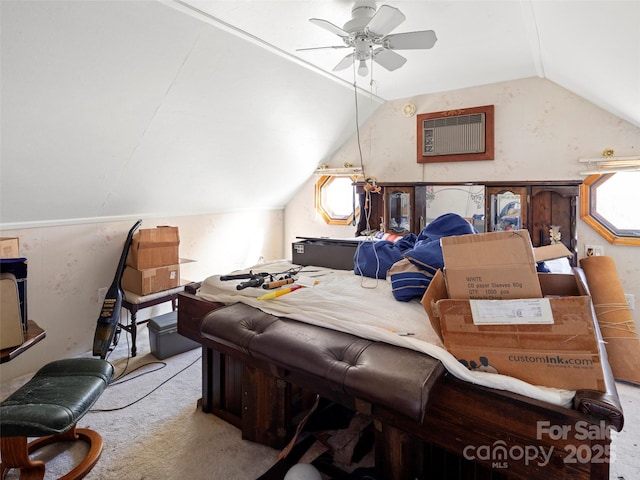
[456, 135]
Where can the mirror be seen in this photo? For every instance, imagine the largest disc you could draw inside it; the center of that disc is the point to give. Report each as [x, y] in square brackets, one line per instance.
[506, 212]
[465, 200]
[399, 211]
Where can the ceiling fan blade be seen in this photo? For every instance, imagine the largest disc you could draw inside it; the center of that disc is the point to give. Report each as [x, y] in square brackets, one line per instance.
[410, 40]
[384, 20]
[329, 26]
[335, 47]
[388, 59]
[346, 62]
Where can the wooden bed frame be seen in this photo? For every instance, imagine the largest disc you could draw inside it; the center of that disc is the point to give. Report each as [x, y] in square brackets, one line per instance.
[468, 431]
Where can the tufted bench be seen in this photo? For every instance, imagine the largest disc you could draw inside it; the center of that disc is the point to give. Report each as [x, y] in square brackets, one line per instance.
[258, 370]
[49, 406]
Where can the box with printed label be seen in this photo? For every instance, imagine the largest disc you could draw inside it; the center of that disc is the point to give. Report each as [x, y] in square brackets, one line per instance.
[550, 341]
[154, 247]
[150, 280]
[496, 265]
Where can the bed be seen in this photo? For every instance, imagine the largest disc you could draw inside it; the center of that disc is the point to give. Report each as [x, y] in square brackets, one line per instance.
[254, 377]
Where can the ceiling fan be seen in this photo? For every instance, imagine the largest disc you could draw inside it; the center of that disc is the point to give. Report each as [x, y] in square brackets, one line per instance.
[368, 34]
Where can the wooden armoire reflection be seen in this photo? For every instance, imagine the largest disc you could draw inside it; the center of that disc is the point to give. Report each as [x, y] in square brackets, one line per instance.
[547, 209]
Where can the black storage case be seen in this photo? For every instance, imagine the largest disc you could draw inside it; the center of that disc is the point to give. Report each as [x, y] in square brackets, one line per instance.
[324, 252]
[164, 339]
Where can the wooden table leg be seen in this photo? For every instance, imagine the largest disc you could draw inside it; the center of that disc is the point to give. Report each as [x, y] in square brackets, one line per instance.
[134, 332]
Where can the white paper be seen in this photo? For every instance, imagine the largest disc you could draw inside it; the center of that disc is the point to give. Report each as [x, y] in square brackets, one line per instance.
[529, 311]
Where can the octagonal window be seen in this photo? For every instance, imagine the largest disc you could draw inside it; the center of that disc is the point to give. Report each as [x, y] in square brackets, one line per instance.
[335, 200]
[608, 205]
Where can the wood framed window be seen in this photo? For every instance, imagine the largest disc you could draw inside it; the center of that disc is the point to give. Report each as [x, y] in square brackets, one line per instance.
[608, 206]
[335, 199]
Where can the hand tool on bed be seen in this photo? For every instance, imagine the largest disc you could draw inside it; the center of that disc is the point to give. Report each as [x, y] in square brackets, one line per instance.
[244, 276]
[254, 282]
[258, 279]
[286, 280]
[110, 313]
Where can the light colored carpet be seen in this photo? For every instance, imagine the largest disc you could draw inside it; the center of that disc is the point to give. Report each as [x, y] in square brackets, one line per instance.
[625, 448]
[164, 436]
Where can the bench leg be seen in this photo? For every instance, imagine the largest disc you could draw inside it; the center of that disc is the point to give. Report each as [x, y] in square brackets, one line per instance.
[398, 456]
[15, 454]
[265, 408]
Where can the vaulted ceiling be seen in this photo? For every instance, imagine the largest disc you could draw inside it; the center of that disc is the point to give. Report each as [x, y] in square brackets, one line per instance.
[592, 48]
[119, 108]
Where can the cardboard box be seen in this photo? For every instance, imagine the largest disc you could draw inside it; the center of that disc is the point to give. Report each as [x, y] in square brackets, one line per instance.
[496, 265]
[9, 247]
[154, 247]
[563, 354]
[551, 252]
[150, 280]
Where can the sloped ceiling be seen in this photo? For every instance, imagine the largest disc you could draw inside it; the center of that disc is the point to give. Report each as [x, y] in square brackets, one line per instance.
[120, 108]
[591, 47]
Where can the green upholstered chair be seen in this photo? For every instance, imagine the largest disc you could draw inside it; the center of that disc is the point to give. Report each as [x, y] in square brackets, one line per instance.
[48, 407]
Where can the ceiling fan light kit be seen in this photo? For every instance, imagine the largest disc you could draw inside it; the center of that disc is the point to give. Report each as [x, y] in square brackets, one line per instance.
[363, 70]
[368, 34]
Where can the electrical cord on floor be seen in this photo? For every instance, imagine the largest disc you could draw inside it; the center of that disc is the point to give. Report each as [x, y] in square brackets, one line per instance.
[149, 393]
[124, 372]
[121, 378]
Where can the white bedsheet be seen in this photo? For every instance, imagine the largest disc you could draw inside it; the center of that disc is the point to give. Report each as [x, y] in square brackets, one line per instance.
[365, 307]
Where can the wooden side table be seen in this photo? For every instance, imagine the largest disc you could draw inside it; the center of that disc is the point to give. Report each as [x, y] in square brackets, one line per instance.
[134, 302]
[33, 335]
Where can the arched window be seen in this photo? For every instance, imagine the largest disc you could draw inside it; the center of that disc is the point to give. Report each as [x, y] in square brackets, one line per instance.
[608, 205]
[335, 200]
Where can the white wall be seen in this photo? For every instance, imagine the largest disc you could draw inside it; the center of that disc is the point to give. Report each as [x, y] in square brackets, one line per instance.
[68, 264]
[541, 130]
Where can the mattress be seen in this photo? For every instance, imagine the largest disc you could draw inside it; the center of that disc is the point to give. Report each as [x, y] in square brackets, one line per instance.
[363, 306]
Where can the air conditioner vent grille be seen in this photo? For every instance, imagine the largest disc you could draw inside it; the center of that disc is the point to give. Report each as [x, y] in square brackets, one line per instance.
[453, 135]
